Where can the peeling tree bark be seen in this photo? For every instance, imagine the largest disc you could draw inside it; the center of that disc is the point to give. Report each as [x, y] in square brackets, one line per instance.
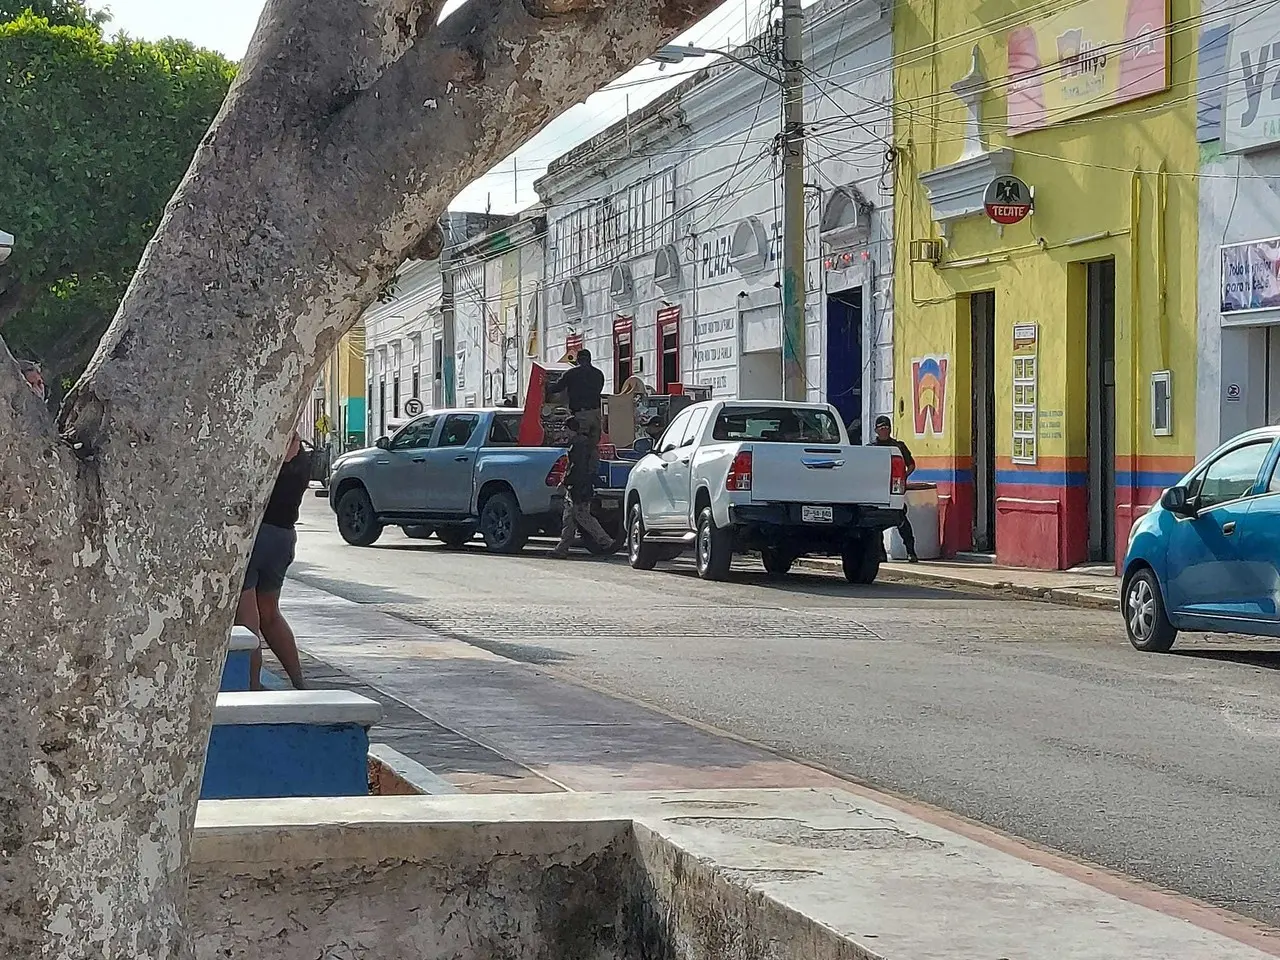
[125, 526]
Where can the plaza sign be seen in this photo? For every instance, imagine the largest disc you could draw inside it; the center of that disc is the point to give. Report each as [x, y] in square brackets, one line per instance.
[1251, 95]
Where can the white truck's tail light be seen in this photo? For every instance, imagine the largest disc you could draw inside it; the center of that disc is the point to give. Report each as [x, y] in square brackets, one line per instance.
[739, 477]
[558, 471]
[898, 476]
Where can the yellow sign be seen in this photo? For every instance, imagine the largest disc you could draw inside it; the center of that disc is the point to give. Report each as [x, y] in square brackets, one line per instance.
[1091, 56]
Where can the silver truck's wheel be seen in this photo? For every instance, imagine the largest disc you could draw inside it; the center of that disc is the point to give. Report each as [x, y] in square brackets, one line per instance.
[502, 525]
[357, 522]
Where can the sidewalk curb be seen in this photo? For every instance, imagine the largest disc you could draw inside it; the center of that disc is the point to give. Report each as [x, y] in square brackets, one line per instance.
[922, 576]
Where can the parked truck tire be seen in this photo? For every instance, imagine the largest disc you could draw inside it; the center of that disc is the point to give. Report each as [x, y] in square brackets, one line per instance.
[714, 548]
[502, 525]
[357, 522]
[777, 563]
[861, 560]
[455, 538]
[417, 533]
[641, 555]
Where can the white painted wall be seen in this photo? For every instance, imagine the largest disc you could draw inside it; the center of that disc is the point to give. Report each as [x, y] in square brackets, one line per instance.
[1239, 201]
[717, 138]
[398, 338]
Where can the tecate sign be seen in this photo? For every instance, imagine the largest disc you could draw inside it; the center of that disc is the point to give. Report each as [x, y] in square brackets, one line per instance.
[1007, 200]
[1251, 100]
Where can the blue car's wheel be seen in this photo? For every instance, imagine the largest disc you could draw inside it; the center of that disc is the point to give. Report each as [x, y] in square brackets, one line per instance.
[1145, 619]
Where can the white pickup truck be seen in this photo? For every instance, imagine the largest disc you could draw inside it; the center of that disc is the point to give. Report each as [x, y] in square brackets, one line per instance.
[732, 476]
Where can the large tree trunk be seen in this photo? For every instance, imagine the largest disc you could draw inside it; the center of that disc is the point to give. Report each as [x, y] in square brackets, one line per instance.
[125, 527]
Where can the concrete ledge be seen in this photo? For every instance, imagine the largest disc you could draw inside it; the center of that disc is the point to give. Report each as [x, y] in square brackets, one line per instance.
[392, 774]
[306, 707]
[236, 670]
[734, 875]
[242, 638]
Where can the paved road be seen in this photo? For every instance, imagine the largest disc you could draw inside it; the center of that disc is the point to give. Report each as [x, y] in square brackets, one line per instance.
[1033, 718]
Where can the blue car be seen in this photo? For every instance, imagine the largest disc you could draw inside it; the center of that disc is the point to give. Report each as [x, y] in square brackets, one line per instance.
[1207, 557]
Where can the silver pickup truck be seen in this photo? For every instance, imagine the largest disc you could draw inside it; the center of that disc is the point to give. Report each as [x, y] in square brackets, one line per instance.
[453, 473]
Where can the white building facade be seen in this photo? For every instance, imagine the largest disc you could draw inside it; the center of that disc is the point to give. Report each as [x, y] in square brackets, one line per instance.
[454, 331]
[664, 247]
[404, 343]
[1238, 126]
[496, 283]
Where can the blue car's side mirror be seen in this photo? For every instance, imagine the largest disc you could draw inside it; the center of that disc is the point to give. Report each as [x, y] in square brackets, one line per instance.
[1176, 501]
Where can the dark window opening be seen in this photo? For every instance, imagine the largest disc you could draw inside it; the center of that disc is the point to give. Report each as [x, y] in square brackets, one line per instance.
[670, 358]
[623, 364]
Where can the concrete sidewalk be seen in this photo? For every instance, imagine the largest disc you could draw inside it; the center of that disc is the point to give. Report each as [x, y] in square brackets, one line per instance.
[1097, 590]
[491, 725]
[524, 729]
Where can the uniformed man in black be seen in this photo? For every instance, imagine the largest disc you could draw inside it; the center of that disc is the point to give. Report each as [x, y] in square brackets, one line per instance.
[583, 387]
[885, 438]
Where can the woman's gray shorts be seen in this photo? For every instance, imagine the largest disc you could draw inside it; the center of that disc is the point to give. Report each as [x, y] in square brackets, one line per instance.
[273, 551]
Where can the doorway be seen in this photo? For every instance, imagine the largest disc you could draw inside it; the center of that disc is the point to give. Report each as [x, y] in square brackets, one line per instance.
[1265, 353]
[982, 327]
[844, 358]
[1101, 324]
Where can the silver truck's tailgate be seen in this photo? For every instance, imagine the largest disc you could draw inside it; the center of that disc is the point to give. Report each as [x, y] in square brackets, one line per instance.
[814, 473]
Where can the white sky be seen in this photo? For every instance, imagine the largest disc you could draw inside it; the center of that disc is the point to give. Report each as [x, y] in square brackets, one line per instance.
[227, 26]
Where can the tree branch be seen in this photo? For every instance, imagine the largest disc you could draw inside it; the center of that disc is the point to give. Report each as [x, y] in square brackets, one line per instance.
[480, 83]
[24, 418]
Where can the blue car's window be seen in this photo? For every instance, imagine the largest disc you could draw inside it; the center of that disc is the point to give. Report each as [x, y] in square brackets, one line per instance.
[1233, 475]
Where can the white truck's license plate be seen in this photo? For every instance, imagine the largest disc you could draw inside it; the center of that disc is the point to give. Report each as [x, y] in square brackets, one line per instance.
[816, 515]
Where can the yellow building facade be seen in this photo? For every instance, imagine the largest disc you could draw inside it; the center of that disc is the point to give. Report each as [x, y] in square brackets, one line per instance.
[1045, 368]
[342, 422]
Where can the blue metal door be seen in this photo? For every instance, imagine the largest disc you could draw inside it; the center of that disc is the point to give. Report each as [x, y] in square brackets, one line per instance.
[844, 356]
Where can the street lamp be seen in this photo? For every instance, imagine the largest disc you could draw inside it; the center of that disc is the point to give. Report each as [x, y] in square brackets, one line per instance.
[675, 53]
[6, 245]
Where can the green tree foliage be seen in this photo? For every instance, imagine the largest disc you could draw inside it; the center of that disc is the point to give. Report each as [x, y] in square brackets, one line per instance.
[59, 13]
[95, 133]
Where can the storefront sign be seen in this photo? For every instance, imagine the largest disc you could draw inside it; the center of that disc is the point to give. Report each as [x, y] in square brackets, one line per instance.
[1250, 278]
[1026, 376]
[1093, 55]
[1251, 98]
[1007, 200]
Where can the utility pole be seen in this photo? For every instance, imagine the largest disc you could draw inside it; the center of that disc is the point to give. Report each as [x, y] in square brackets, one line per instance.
[449, 346]
[794, 367]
